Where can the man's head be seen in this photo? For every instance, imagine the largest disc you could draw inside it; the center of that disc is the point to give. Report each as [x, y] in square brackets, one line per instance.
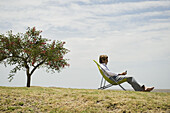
[103, 59]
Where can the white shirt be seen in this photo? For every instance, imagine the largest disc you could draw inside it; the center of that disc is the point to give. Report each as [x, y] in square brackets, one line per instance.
[104, 66]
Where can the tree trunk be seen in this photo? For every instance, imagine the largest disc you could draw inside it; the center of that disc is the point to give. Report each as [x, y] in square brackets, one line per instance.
[30, 73]
[28, 80]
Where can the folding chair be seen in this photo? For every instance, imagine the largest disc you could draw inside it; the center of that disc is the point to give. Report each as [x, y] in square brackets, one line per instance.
[111, 82]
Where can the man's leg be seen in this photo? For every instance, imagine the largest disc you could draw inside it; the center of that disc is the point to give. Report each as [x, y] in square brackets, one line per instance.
[130, 80]
[134, 84]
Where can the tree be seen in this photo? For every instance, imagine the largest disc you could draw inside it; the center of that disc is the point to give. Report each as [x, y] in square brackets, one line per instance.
[29, 51]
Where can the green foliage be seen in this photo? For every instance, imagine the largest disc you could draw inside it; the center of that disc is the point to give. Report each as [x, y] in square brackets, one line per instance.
[30, 51]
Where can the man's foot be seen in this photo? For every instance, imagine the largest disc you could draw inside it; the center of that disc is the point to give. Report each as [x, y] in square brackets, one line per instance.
[149, 89]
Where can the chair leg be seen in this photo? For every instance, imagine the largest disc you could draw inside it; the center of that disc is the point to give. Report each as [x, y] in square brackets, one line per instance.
[104, 83]
[107, 86]
[122, 87]
[101, 82]
[102, 86]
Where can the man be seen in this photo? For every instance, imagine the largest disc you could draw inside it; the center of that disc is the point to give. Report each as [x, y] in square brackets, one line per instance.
[103, 59]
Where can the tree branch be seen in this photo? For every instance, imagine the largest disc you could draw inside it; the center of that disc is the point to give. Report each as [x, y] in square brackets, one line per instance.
[37, 66]
[25, 62]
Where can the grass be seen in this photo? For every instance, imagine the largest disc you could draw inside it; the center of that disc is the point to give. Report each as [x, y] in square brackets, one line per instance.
[65, 100]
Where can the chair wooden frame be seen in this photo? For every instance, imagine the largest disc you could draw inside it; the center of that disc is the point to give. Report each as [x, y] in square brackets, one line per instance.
[105, 78]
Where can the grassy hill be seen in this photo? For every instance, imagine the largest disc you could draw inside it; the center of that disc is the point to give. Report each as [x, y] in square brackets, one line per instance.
[61, 100]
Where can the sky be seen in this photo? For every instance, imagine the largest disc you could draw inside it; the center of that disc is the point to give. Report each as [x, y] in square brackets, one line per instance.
[135, 34]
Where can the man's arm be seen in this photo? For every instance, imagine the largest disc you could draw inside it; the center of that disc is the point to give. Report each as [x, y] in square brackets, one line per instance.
[108, 71]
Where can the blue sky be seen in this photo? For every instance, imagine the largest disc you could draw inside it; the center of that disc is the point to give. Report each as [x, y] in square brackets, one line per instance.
[133, 33]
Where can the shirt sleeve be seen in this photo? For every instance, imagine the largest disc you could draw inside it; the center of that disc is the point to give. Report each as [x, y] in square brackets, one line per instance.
[108, 71]
[111, 73]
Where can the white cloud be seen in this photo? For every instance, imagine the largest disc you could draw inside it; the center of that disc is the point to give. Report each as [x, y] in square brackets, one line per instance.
[124, 7]
[126, 31]
[108, 22]
[91, 18]
[19, 3]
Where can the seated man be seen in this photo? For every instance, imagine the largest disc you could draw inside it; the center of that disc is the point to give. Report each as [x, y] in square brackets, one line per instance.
[103, 59]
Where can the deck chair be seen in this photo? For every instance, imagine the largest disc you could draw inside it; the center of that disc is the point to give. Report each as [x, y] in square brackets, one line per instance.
[111, 83]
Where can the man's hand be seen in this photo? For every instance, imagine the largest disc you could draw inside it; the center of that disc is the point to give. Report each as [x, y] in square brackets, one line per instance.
[124, 73]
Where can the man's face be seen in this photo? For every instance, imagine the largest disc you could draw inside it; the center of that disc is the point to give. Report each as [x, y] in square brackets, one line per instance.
[106, 60]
